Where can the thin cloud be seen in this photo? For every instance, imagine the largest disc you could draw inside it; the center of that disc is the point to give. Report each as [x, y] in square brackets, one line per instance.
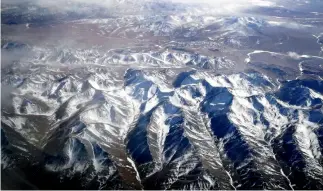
[221, 5]
[233, 5]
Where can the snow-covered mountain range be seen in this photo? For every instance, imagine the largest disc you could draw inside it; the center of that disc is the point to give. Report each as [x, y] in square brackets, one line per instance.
[161, 95]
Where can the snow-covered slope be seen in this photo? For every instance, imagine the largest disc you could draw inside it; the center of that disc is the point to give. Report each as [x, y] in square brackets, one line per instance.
[210, 131]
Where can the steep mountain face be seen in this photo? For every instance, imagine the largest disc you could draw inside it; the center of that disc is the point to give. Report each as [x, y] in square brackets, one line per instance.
[173, 97]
